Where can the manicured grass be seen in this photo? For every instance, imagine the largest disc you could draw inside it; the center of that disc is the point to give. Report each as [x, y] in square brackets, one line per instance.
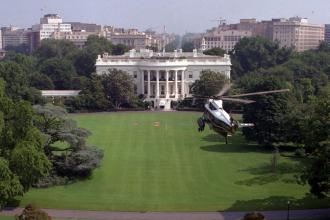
[172, 167]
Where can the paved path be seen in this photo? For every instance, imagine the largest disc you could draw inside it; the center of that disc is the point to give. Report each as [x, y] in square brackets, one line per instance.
[103, 215]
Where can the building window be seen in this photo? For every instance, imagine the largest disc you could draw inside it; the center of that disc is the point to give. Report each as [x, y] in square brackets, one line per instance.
[135, 74]
[190, 76]
[162, 90]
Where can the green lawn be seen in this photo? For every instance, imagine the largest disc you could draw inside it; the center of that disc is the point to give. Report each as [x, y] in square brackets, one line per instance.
[172, 167]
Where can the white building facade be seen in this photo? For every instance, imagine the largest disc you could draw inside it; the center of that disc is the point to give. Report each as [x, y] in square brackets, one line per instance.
[164, 77]
[49, 24]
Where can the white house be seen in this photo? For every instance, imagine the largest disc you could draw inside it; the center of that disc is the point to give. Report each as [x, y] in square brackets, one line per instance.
[163, 77]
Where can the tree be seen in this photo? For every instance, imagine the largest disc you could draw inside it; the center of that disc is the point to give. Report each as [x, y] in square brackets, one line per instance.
[251, 54]
[92, 96]
[216, 51]
[119, 49]
[118, 86]
[22, 159]
[317, 171]
[209, 84]
[21, 48]
[61, 71]
[51, 48]
[17, 84]
[77, 159]
[9, 183]
[268, 112]
[188, 47]
[98, 45]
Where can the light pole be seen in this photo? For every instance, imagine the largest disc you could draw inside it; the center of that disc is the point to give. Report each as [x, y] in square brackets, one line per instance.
[288, 213]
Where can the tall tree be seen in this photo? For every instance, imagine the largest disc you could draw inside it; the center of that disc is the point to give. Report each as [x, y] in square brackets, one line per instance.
[268, 112]
[251, 54]
[22, 159]
[61, 71]
[77, 159]
[188, 47]
[209, 83]
[118, 86]
[217, 51]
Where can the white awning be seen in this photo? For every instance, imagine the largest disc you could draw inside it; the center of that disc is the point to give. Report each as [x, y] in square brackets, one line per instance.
[60, 93]
[162, 102]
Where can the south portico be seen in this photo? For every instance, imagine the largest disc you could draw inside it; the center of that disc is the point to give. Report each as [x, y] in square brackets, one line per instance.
[161, 86]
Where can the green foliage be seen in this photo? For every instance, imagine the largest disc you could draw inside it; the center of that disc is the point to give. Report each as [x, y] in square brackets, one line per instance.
[118, 86]
[119, 49]
[317, 172]
[209, 83]
[98, 45]
[188, 47]
[216, 51]
[17, 84]
[22, 48]
[22, 160]
[268, 112]
[51, 48]
[60, 71]
[75, 160]
[251, 54]
[29, 163]
[92, 97]
[9, 183]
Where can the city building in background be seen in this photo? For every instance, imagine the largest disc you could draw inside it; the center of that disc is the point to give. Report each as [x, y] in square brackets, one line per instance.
[298, 34]
[223, 37]
[129, 37]
[294, 32]
[327, 33]
[13, 36]
[0, 39]
[2, 54]
[161, 76]
[79, 33]
[49, 24]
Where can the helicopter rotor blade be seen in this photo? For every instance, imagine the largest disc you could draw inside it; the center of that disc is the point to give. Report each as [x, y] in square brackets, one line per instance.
[258, 93]
[224, 89]
[244, 101]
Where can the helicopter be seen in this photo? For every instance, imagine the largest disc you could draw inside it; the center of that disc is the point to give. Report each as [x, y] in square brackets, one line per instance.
[218, 119]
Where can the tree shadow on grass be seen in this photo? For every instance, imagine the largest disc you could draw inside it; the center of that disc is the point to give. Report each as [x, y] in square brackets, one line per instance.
[264, 174]
[280, 203]
[233, 148]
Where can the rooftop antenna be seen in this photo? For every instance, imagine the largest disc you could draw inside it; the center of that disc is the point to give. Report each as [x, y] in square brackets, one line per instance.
[221, 21]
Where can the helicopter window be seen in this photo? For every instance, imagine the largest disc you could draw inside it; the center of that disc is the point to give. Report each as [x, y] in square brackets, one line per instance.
[212, 107]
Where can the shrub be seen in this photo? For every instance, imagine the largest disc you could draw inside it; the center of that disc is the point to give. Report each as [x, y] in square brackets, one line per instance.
[253, 216]
[31, 212]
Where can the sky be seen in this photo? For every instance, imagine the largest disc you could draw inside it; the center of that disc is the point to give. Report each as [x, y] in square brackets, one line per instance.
[178, 16]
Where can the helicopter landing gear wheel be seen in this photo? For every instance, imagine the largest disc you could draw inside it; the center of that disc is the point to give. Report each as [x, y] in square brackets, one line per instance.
[201, 124]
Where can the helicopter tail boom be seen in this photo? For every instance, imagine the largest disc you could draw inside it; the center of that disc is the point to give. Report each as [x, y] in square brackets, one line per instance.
[243, 125]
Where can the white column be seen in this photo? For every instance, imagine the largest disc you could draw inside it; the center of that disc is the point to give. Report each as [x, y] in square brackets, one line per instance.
[167, 92]
[176, 84]
[148, 83]
[182, 84]
[142, 82]
[157, 84]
